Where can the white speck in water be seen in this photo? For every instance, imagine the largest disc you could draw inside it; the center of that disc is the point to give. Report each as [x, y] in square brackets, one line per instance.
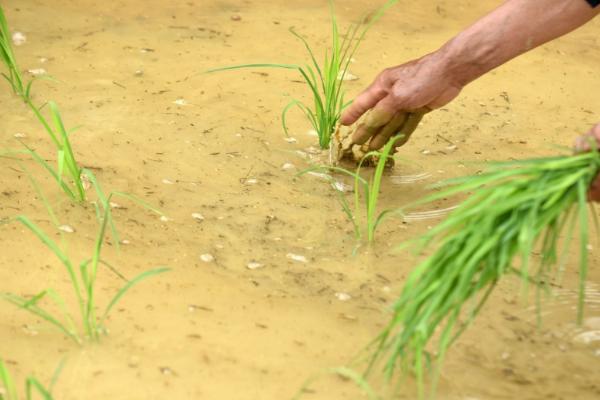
[20, 135]
[115, 205]
[291, 140]
[341, 296]
[198, 216]
[19, 38]
[505, 355]
[386, 289]
[168, 182]
[125, 241]
[207, 257]
[347, 76]
[425, 152]
[312, 132]
[588, 337]
[288, 166]
[164, 218]
[319, 175]
[181, 102]
[37, 71]
[43, 60]
[138, 73]
[66, 228]
[589, 247]
[297, 257]
[254, 265]
[251, 181]
[342, 187]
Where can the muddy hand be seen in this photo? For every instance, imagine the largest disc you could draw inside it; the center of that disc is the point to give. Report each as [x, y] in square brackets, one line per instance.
[377, 127]
[399, 97]
[587, 142]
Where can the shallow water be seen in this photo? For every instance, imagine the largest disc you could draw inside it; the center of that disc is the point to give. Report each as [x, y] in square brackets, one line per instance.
[213, 144]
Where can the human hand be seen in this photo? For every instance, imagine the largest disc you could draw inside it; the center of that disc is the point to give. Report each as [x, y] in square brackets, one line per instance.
[585, 143]
[398, 99]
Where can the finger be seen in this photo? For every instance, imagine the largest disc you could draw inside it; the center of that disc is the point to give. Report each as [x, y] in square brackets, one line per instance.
[411, 124]
[363, 102]
[374, 120]
[591, 140]
[594, 192]
[381, 138]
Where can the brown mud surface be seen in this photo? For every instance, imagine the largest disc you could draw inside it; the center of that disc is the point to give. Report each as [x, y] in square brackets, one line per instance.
[213, 144]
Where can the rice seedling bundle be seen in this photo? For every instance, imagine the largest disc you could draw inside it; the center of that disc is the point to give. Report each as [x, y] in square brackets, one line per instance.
[514, 208]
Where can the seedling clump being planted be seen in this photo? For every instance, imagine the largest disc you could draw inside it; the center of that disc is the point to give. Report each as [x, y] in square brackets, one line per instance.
[325, 80]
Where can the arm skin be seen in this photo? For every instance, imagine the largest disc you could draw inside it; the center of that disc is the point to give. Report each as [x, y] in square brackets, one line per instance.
[432, 81]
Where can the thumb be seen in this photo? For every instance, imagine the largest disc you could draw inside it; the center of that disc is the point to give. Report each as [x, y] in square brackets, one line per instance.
[363, 102]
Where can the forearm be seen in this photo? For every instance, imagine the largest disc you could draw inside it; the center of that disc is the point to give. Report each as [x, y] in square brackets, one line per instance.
[515, 27]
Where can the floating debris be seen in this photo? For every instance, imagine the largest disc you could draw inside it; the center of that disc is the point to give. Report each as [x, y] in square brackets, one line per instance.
[207, 257]
[342, 187]
[181, 102]
[138, 73]
[588, 337]
[125, 241]
[341, 296]
[251, 181]
[236, 17]
[168, 182]
[66, 228]
[297, 257]
[164, 218]
[347, 76]
[19, 38]
[115, 205]
[291, 140]
[320, 175]
[20, 135]
[37, 71]
[312, 132]
[198, 216]
[288, 166]
[254, 265]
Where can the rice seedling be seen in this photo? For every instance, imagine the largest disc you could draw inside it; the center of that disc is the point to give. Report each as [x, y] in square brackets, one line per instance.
[8, 390]
[66, 164]
[514, 208]
[369, 189]
[13, 75]
[326, 80]
[83, 280]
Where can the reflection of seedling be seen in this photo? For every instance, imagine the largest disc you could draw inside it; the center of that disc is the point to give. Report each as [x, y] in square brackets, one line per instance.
[83, 280]
[369, 188]
[8, 390]
[13, 76]
[514, 208]
[324, 80]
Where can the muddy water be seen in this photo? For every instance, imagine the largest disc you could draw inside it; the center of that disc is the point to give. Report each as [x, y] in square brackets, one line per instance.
[213, 144]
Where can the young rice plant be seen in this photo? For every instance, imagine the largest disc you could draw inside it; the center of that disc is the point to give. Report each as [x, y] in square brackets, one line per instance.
[8, 390]
[325, 80]
[13, 74]
[368, 188]
[513, 208]
[83, 279]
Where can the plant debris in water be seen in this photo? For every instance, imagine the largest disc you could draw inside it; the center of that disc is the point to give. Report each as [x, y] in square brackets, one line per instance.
[514, 208]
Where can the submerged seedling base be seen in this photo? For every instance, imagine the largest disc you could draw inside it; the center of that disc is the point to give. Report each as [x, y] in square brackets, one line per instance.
[348, 155]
